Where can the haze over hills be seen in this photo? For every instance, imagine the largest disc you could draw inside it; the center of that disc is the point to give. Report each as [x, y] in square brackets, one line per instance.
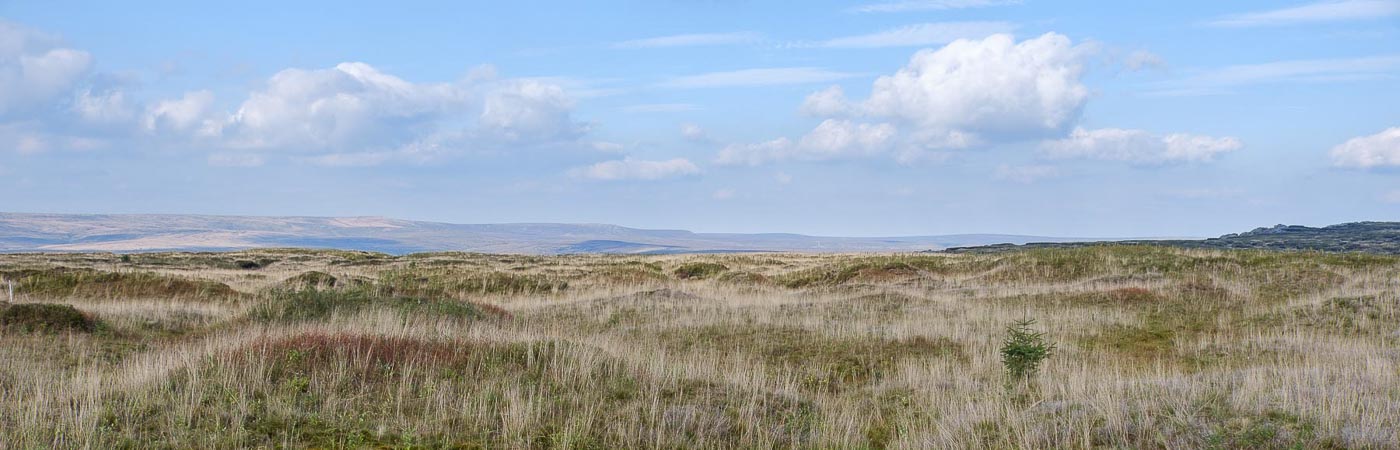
[26, 232]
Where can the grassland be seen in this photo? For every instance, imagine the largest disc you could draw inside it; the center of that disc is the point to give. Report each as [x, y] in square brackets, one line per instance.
[1157, 348]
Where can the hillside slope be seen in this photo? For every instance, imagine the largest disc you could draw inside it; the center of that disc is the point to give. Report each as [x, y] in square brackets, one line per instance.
[1369, 237]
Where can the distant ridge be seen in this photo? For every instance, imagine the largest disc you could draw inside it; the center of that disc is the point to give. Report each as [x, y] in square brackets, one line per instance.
[30, 232]
[1369, 237]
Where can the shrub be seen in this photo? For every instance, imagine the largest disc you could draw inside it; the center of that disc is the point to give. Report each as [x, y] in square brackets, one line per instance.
[1023, 350]
[311, 280]
[44, 318]
[699, 270]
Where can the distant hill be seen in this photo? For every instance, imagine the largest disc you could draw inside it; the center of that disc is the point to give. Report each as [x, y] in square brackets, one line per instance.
[24, 232]
[1371, 237]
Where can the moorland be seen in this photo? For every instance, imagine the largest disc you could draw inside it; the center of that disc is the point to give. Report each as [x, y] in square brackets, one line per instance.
[1153, 347]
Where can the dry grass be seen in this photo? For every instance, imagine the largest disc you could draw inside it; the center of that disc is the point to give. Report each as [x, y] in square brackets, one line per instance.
[1157, 348]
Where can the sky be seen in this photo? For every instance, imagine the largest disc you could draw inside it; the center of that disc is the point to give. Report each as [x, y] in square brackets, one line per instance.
[858, 118]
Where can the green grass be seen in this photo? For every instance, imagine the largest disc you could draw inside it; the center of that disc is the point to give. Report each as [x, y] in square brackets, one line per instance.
[94, 284]
[310, 304]
[453, 284]
[699, 270]
[819, 362]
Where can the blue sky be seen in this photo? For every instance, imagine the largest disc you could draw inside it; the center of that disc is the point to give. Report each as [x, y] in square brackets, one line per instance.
[870, 118]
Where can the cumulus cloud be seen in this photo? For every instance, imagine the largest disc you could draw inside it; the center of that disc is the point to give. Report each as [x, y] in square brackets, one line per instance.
[636, 169]
[922, 34]
[353, 114]
[826, 103]
[192, 112]
[969, 92]
[351, 104]
[530, 110]
[832, 139]
[1364, 152]
[35, 68]
[1138, 146]
[349, 114]
[994, 86]
[109, 108]
[1324, 11]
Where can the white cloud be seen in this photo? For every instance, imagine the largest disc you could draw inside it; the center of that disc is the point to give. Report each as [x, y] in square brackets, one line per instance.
[530, 110]
[930, 5]
[723, 194]
[832, 139]
[1324, 11]
[1138, 146]
[106, 108]
[1142, 59]
[782, 177]
[923, 34]
[691, 40]
[1391, 197]
[35, 69]
[356, 115]
[835, 138]
[993, 87]
[755, 154]
[966, 93]
[1025, 174]
[636, 169]
[349, 105]
[827, 102]
[1364, 152]
[694, 133]
[192, 112]
[757, 77]
[1217, 81]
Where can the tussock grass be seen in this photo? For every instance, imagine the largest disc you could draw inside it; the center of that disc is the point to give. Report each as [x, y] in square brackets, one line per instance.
[94, 284]
[1154, 348]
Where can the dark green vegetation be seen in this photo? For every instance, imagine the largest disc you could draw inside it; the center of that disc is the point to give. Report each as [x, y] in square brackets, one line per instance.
[1023, 350]
[43, 318]
[313, 304]
[1368, 237]
[699, 270]
[95, 284]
